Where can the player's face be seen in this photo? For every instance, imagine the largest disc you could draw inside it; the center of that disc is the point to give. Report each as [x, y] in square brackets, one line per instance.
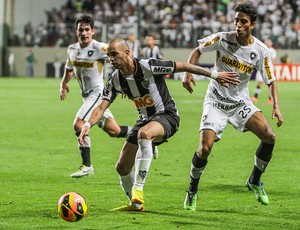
[84, 34]
[117, 56]
[243, 24]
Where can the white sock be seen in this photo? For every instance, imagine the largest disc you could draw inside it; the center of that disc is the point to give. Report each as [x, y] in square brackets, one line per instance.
[126, 183]
[142, 162]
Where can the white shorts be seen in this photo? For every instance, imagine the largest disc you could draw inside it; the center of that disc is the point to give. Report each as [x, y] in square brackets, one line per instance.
[216, 116]
[89, 103]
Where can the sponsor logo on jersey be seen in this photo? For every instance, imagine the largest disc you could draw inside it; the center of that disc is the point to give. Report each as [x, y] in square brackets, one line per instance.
[83, 64]
[211, 42]
[267, 68]
[145, 101]
[161, 70]
[238, 65]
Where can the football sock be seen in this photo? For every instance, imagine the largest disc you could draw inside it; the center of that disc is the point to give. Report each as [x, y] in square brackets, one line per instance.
[197, 168]
[257, 91]
[125, 130]
[261, 160]
[126, 183]
[85, 152]
[142, 162]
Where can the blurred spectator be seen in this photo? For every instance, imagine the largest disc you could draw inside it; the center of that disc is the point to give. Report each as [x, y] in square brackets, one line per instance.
[30, 61]
[152, 50]
[134, 45]
[179, 23]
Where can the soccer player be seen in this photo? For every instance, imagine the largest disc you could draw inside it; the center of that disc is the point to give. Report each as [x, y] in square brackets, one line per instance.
[85, 61]
[152, 50]
[143, 82]
[241, 52]
[258, 77]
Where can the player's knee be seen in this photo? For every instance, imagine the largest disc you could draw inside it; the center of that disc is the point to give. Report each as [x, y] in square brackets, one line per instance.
[122, 169]
[204, 151]
[113, 133]
[270, 138]
[144, 134]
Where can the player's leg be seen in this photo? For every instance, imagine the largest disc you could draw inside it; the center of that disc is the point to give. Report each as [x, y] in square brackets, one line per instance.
[86, 169]
[124, 167]
[262, 129]
[151, 131]
[213, 122]
[259, 81]
[111, 127]
[199, 161]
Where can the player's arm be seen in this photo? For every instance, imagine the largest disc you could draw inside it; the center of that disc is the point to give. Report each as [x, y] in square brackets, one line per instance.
[64, 89]
[223, 78]
[94, 118]
[274, 94]
[188, 78]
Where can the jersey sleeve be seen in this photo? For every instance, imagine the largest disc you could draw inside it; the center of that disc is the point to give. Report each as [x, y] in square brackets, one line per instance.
[103, 49]
[161, 67]
[209, 43]
[266, 68]
[68, 64]
[109, 91]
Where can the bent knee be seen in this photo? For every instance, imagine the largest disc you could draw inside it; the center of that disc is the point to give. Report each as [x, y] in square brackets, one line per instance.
[269, 138]
[204, 151]
[122, 169]
[143, 134]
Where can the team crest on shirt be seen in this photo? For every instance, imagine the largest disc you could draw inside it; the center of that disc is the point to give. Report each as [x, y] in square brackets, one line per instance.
[90, 52]
[145, 84]
[253, 55]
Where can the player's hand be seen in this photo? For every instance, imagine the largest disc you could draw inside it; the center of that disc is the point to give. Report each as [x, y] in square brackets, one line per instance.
[84, 132]
[226, 78]
[187, 81]
[277, 113]
[63, 93]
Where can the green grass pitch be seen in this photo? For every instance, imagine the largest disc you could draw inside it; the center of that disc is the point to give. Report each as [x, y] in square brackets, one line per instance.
[38, 152]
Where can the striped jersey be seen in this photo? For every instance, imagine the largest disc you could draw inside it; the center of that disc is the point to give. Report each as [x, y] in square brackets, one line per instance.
[154, 52]
[87, 64]
[146, 87]
[233, 57]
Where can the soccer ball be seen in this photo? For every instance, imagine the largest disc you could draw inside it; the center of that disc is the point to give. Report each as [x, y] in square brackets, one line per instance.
[72, 207]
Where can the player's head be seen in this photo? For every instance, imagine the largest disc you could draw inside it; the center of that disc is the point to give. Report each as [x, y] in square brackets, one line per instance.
[118, 52]
[150, 39]
[84, 19]
[248, 9]
[84, 27]
[245, 19]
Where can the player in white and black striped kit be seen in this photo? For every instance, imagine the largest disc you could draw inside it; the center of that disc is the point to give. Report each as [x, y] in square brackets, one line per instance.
[241, 52]
[143, 82]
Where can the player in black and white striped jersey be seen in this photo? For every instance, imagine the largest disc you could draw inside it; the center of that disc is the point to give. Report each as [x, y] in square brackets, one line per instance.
[143, 82]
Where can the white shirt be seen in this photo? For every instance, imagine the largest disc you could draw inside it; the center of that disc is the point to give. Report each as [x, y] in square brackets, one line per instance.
[87, 64]
[233, 57]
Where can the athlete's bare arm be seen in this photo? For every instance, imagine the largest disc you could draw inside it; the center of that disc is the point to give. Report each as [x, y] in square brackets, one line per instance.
[274, 94]
[64, 89]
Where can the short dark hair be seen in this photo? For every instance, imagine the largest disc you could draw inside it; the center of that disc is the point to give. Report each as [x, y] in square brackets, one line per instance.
[84, 19]
[247, 8]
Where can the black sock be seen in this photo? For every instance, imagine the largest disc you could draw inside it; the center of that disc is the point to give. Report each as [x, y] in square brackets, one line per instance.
[86, 156]
[263, 152]
[198, 163]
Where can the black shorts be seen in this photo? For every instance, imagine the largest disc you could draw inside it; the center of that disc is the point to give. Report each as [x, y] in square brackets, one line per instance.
[170, 123]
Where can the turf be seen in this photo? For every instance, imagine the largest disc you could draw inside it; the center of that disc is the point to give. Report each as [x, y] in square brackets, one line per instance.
[39, 151]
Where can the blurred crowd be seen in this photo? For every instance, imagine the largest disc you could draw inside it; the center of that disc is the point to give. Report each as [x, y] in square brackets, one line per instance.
[175, 23]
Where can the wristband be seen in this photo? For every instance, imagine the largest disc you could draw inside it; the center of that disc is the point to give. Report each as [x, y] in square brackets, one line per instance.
[214, 74]
[87, 124]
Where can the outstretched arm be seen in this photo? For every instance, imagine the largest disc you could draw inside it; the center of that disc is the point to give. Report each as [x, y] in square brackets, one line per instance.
[223, 78]
[276, 112]
[94, 118]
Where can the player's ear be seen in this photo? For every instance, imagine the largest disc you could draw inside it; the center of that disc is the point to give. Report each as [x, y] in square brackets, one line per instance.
[93, 31]
[253, 25]
[127, 52]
